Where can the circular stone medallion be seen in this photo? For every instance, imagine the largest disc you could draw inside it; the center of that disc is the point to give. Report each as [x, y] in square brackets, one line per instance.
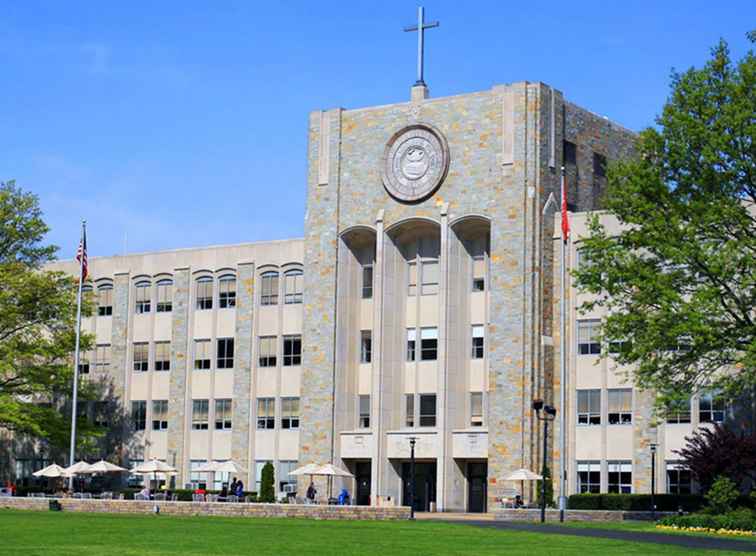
[415, 162]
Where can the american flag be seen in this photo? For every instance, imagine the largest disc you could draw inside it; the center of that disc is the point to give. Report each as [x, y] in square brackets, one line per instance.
[81, 254]
[565, 217]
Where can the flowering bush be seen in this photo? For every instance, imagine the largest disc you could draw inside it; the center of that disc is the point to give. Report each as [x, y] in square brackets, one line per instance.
[741, 521]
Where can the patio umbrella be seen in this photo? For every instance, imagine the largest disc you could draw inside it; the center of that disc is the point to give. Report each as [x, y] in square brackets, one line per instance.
[103, 466]
[522, 475]
[214, 467]
[153, 466]
[329, 470]
[78, 468]
[52, 471]
[308, 469]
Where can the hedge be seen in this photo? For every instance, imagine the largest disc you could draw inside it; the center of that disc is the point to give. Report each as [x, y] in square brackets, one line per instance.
[635, 502]
[739, 520]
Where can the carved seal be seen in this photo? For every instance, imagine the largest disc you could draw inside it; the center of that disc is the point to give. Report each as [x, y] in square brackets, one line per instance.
[415, 162]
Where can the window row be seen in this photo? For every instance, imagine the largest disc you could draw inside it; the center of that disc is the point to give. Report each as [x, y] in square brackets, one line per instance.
[102, 299]
[589, 340]
[293, 285]
[619, 477]
[711, 409]
[266, 413]
[140, 356]
[619, 406]
[158, 416]
[144, 294]
[99, 358]
[291, 349]
[224, 354]
[223, 415]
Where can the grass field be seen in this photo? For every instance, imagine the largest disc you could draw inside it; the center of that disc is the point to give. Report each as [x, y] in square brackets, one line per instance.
[36, 533]
[647, 527]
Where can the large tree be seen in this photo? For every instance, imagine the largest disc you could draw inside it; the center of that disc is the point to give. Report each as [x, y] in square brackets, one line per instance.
[679, 280]
[37, 324]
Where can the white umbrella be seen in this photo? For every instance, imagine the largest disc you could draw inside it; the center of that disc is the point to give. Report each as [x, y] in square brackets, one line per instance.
[78, 468]
[53, 471]
[308, 469]
[103, 466]
[153, 466]
[229, 466]
[331, 470]
[523, 475]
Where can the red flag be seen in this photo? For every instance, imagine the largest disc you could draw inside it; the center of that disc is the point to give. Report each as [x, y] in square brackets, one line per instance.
[565, 218]
[81, 254]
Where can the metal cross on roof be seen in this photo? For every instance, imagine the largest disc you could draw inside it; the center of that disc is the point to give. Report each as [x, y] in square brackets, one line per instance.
[420, 28]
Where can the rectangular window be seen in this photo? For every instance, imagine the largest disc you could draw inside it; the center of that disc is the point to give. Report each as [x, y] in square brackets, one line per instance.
[589, 407]
[269, 289]
[292, 350]
[479, 273]
[620, 477]
[366, 346]
[102, 355]
[412, 279]
[476, 409]
[223, 415]
[588, 337]
[197, 478]
[105, 301]
[204, 294]
[430, 278]
[266, 413]
[599, 165]
[293, 286]
[411, 342]
[678, 478]
[85, 360]
[364, 412]
[569, 152]
[159, 415]
[284, 479]
[289, 413]
[227, 292]
[477, 341]
[143, 298]
[267, 355]
[589, 477]
[139, 415]
[200, 414]
[164, 296]
[225, 356]
[711, 409]
[367, 281]
[428, 344]
[427, 410]
[678, 412]
[409, 410]
[162, 356]
[141, 356]
[620, 402]
[202, 354]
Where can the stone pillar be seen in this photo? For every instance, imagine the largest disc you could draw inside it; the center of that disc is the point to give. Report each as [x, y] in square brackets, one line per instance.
[180, 355]
[245, 300]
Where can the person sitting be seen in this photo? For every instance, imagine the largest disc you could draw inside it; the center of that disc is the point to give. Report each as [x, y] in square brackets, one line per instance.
[344, 497]
[239, 490]
[224, 491]
[232, 486]
[145, 493]
[518, 501]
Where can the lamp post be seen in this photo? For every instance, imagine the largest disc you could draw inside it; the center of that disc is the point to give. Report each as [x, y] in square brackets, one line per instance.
[549, 414]
[412, 441]
[653, 480]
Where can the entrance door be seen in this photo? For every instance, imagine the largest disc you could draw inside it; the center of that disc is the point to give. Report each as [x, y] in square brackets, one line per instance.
[425, 485]
[477, 487]
[362, 476]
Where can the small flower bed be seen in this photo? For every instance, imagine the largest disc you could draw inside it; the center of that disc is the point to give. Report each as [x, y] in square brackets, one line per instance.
[740, 522]
[732, 532]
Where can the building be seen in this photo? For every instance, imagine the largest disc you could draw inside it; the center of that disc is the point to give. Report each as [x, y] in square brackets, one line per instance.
[423, 302]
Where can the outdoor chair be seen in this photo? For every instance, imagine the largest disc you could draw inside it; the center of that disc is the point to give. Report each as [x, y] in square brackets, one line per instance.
[211, 497]
[86, 495]
[121, 496]
[139, 496]
[232, 498]
[78, 495]
[174, 497]
[198, 497]
[160, 496]
[107, 495]
[248, 499]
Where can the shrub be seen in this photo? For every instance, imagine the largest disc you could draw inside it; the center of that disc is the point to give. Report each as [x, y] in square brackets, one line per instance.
[739, 520]
[722, 495]
[635, 502]
[267, 494]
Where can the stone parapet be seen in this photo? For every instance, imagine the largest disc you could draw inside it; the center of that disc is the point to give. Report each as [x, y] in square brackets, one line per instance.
[210, 508]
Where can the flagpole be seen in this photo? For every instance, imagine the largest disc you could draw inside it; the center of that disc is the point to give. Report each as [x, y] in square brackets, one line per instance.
[563, 364]
[76, 353]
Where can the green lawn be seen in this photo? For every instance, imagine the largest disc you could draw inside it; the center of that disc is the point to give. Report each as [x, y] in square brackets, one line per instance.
[646, 526]
[30, 533]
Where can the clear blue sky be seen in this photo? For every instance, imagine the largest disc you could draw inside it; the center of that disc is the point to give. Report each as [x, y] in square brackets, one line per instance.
[183, 124]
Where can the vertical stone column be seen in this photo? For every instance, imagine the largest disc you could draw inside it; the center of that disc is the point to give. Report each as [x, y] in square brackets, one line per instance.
[644, 434]
[245, 299]
[180, 353]
[321, 248]
[375, 380]
[119, 347]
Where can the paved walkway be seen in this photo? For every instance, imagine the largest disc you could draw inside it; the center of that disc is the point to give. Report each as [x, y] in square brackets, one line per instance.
[687, 541]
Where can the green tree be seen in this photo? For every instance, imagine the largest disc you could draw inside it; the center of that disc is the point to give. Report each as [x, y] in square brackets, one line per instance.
[546, 474]
[267, 493]
[721, 496]
[37, 324]
[679, 280]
